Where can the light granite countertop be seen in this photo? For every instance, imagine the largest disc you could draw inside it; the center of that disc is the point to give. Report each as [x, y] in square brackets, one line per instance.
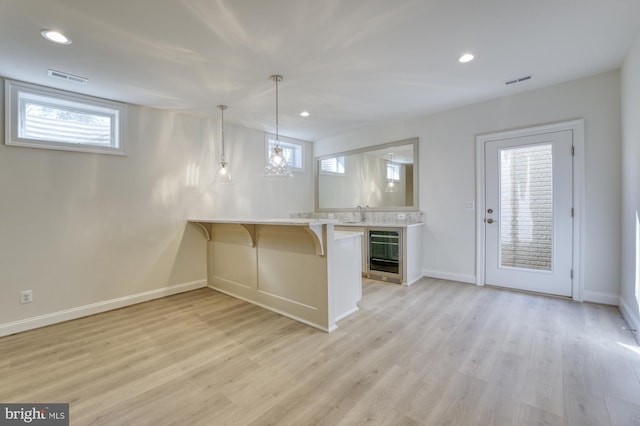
[381, 224]
[307, 222]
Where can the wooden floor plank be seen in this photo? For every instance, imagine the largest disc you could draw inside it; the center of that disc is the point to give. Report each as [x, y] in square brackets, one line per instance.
[500, 403]
[438, 352]
[623, 413]
[532, 416]
[543, 387]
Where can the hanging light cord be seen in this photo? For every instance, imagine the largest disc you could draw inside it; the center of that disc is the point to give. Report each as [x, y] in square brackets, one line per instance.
[222, 118]
[222, 108]
[277, 78]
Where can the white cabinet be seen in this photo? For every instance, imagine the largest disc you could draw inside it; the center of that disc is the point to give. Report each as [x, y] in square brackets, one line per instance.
[363, 243]
[346, 274]
[412, 246]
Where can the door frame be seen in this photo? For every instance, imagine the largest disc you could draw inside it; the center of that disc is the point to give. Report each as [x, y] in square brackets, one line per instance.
[577, 127]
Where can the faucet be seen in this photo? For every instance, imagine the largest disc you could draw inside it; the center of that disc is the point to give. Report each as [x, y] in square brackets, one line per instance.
[360, 210]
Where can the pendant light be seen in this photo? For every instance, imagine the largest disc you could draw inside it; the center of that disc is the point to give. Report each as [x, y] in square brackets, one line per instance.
[223, 175]
[277, 167]
[391, 185]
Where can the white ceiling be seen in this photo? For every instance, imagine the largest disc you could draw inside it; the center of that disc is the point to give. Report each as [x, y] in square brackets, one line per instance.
[351, 63]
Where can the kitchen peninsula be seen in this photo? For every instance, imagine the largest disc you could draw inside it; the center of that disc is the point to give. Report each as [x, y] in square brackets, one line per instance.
[301, 268]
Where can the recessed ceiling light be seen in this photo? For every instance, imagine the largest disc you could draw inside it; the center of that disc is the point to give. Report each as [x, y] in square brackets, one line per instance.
[55, 36]
[467, 57]
[305, 114]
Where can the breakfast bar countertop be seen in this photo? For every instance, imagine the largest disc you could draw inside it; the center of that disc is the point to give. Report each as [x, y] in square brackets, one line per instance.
[254, 221]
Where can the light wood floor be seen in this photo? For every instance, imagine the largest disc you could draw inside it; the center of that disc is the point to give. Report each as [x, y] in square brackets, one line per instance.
[434, 353]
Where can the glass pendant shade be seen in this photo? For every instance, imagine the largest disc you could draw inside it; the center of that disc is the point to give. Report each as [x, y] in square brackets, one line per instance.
[223, 175]
[277, 167]
[391, 186]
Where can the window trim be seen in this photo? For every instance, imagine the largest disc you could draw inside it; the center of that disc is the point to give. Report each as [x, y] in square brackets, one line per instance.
[285, 140]
[92, 104]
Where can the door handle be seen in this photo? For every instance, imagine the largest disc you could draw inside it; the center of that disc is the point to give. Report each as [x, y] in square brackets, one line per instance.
[491, 220]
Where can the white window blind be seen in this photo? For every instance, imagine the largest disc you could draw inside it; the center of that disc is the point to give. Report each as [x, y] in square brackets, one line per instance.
[333, 165]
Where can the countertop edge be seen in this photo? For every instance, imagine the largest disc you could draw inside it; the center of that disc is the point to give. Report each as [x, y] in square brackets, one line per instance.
[380, 224]
[307, 222]
[287, 222]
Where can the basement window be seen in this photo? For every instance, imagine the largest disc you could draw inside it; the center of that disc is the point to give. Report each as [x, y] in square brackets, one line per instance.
[41, 117]
[292, 150]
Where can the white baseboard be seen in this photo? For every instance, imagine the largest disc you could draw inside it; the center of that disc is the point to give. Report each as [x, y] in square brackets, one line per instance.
[600, 297]
[471, 279]
[588, 296]
[95, 308]
[412, 281]
[632, 320]
[346, 314]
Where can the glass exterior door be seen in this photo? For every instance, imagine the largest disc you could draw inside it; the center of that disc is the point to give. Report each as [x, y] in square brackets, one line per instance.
[528, 222]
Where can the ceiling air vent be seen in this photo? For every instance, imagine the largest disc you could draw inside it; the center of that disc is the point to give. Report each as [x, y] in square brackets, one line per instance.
[518, 80]
[66, 76]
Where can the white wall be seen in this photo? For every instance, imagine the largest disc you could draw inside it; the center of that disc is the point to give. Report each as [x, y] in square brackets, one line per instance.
[88, 232]
[631, 186]
[447, 172]
[251, 196]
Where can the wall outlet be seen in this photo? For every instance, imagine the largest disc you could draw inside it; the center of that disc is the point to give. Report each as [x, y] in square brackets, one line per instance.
[26, 296]
[330, 216]
[469, 205]
[402, 216]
